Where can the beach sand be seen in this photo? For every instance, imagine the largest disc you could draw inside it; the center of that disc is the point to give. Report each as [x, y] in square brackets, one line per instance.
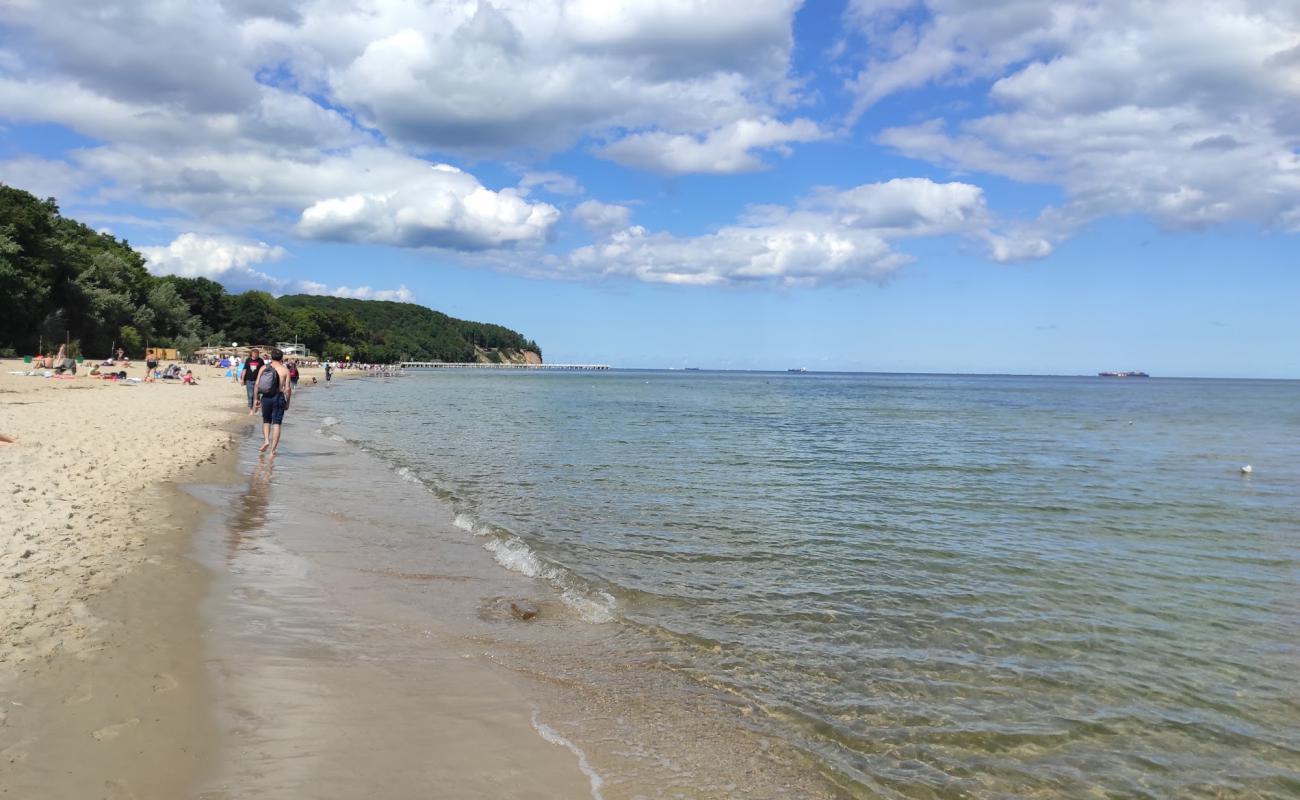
[101, 686]
[79, 499]
[115, 682]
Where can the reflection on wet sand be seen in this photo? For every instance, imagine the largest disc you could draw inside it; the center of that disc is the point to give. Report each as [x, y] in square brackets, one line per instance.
[329, 687]
[249, 515]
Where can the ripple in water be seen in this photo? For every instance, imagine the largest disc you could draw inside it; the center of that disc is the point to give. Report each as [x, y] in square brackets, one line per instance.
[935, 584]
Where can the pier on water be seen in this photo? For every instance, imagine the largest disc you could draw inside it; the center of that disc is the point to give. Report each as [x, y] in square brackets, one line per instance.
[477, 365]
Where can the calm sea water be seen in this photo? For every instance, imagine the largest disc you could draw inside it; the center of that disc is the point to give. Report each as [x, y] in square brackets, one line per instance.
[939, 586]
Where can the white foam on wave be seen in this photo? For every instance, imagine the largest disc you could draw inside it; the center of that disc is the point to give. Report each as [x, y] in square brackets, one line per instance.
[514, 554]
[554, 737]
[409, 475]
[328, 422]
[466, 523]
[597, 610]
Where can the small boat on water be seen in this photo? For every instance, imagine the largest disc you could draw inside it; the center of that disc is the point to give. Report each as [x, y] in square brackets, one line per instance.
[797, 369]
[1122, 375]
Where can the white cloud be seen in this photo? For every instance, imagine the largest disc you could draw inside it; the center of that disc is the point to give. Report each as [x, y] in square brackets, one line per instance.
[834, 235]
[42, 177]
[602, 218]
[227, 260]
[440, 207]
[519, 74]
[1184, 112]
[553, 182]
[365, 194]
[725, 150]
[230, 261]
[401, 294]
[242, 114]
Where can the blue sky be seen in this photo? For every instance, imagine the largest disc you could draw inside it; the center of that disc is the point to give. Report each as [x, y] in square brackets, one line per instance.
[932, 185]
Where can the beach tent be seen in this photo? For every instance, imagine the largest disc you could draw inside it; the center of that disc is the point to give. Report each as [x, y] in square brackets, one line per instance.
[225, 362]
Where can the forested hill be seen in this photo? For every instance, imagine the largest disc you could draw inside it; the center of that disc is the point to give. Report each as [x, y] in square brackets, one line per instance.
[410, 332]
[60, 280]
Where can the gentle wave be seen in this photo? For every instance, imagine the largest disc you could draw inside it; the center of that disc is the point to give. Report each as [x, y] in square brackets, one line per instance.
[591, 604]
[556, 738]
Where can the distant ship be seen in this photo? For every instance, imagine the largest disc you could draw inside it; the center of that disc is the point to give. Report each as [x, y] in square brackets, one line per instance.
[692, 369]
[1123, 375]
[796, 369]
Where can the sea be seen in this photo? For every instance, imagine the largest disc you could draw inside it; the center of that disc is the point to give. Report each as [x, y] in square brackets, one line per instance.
[845, 585]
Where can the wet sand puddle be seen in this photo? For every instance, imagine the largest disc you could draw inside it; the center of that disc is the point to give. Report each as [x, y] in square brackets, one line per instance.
[361, 645]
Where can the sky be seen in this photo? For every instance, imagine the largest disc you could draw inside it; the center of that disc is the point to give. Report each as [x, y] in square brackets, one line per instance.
[878, 185]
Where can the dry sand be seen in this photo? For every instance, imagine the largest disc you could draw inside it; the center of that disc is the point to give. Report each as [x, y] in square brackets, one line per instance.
[77, 504]
[102, 690]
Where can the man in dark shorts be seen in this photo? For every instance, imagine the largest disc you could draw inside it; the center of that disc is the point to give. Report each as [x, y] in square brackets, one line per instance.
[150, 363]
[248, 375]
[272, 391]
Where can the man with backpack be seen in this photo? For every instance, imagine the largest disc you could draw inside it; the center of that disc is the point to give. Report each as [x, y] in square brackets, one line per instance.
[272, 391]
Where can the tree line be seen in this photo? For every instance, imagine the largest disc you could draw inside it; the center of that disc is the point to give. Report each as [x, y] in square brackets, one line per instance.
[63, 282]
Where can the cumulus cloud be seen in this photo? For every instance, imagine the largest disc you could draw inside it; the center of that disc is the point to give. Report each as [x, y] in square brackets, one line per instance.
[42, 177]
[1185, 113]
[725, 150]
[225, 259]
[833, 235]
[248, 114]
[553, 182]
[602, 218]
[542, 74]
[230, 261]
[401, 294]
[440, 207]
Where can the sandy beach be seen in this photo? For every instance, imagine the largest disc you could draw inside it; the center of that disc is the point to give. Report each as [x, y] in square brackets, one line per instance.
[77, 503]
[100, 670]
[116, 683]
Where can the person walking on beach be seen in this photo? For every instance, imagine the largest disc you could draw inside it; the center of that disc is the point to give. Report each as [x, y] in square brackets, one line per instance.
[248, 375]
[293, 373]
[329, 372]
[273, 390]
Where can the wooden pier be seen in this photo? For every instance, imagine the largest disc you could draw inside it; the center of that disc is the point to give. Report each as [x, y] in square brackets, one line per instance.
[478, 365]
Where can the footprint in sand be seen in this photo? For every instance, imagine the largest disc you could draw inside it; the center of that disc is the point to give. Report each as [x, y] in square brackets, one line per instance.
[81, 694]
[118, 790]
[111, 732]
[162, 682]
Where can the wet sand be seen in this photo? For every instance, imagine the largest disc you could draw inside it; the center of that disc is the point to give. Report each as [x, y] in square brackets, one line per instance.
[328, 684]
[126, 716]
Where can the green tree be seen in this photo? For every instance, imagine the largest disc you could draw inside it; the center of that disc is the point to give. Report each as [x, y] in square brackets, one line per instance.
[253, 318]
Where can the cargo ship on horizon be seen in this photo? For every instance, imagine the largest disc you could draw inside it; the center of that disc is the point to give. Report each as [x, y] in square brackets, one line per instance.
[1122, 375]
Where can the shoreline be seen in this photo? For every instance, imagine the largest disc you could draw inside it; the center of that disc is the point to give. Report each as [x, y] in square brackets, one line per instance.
[222, 661]
[403, 584]
[326, 684]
